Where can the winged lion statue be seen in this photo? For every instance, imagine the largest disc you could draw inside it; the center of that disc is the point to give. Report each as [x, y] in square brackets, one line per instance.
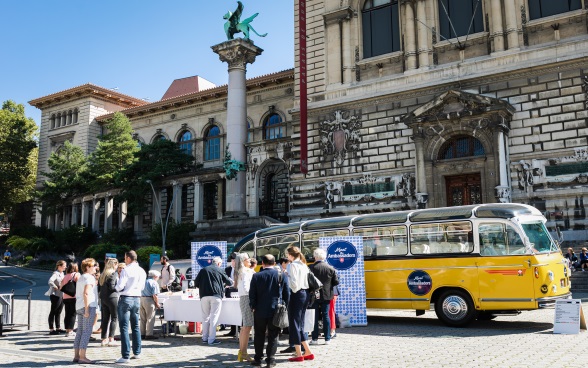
[235, 25]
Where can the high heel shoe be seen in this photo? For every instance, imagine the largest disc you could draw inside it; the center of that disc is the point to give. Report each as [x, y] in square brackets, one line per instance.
[296, 359]
[246, 357]
[240, 356]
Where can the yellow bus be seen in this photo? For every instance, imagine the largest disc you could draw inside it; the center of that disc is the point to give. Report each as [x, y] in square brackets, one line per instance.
[466, 262]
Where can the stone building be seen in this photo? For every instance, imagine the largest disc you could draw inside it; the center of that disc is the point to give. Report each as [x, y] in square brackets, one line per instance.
[411, 103]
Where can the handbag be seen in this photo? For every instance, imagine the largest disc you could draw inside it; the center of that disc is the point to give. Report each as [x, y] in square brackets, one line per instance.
[314, 283]
[69, 288]
[280, 319]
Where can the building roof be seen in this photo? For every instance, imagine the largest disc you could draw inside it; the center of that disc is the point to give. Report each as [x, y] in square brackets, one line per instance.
[84, 90]
[187, 85]
[195, 97]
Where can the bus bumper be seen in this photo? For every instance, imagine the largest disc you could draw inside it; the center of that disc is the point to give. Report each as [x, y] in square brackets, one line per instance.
[549, 302]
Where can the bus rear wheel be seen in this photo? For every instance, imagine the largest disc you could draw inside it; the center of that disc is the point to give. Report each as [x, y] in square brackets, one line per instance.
[455, 308]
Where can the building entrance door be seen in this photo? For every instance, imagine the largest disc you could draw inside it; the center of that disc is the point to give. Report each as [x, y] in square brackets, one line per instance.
[463, 189]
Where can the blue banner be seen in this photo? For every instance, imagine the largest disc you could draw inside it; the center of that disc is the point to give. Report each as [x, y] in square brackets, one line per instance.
[345, 254]
[204, 252]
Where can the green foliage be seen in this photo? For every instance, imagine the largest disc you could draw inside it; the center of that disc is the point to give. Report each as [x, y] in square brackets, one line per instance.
[98, 251]
[153, 162]
[30, 245]
[18, 151]
[74, 239]
[144, 253]
[177, 240]
[116, 150]
[120, 236]
[18, 243]
[32, 231]
[66, 179]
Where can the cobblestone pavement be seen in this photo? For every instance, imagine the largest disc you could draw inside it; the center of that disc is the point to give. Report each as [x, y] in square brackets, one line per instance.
[391, 339]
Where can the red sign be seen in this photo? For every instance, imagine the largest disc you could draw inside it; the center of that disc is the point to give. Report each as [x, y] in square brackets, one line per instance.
[303, 76]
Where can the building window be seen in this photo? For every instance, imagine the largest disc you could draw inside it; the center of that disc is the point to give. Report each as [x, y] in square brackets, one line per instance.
[460, 18]
[52, 120]
[381, 27]
[158, 137]
[249, 133]
[545, 8]
[273, 127]
[186, 142]
[212, 144]
[460, 147]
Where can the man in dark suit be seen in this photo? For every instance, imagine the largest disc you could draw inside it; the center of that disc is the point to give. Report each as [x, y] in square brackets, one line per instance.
[229, 271]
[266, 287]
[327, 275]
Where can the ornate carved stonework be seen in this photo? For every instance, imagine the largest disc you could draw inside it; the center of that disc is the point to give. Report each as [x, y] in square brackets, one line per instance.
[237, 53]
[503, 194]
[339, 134]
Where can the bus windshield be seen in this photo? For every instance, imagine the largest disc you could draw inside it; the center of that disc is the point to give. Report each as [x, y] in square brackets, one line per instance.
[539, 237]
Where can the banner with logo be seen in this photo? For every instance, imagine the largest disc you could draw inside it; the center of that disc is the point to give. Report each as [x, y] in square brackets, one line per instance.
[204, 252]
[345, 254]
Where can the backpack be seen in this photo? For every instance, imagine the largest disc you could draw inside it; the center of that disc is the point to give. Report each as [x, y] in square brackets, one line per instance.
[177, 283]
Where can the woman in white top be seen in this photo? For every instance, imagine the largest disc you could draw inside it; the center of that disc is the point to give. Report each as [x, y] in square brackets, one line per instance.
[243, 274]
[298, 281]
[56, 297]
[86, 303]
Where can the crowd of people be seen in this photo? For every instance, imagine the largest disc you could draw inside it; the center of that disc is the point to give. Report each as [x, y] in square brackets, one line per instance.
[125, 296]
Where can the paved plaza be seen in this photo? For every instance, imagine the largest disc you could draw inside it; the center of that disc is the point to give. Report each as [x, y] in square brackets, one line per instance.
[391, 339]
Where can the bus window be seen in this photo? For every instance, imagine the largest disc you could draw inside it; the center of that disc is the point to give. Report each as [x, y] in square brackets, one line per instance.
[383, 241]
[539, 237]
[248, 248]
[441, 238]
[497, 239]
[310, 241]
[275, 245]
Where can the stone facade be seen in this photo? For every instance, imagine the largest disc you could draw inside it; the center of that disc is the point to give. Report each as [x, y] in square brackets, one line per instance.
[494, 115]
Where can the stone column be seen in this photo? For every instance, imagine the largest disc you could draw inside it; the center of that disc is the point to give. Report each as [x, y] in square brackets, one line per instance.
[85, 214]
[177, 201]
[197, 200]
[512, 31]
[138, 224]
[108, 209]
[497, 30]
[410, 39]
[66, 217]
[74, 214]
[423, 34]
[347, 62]
[51, 222]
[421, 180]
[219, 195]
[96, 214]
[58, 219]
[237, 53]
[503, 191]
[122, 215]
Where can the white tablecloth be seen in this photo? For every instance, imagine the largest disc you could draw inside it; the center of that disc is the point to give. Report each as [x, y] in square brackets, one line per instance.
[176, 308]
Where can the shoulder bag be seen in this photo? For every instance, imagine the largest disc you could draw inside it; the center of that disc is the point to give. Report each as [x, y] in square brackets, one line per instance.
[70, 287]
[280, 319]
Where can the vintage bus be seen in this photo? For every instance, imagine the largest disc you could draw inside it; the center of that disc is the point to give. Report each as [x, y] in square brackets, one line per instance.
[464, 262]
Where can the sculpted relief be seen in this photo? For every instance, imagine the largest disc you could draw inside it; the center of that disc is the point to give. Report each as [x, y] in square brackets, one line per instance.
[339, 135]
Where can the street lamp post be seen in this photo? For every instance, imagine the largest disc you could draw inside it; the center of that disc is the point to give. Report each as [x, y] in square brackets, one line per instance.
[163, 227]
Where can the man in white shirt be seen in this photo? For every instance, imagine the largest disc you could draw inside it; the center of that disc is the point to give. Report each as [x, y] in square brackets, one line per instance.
[130, 284]
[168, 274]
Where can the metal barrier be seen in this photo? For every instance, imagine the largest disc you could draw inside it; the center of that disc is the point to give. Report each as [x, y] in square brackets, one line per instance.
[7, 310]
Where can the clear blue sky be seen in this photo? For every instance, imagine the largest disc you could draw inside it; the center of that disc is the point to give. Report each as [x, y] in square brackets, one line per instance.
[139, 46]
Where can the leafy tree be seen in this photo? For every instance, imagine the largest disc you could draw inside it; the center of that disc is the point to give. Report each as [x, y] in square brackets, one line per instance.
[66, 179]
[154, 162]
[116, 150]
[17, 155]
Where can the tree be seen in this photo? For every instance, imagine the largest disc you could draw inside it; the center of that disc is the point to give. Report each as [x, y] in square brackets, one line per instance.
[116, 150]
[17, 152]
[153, 162]
[67, 178]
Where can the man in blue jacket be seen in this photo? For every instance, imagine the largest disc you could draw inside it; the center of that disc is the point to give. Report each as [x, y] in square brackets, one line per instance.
[264, 293]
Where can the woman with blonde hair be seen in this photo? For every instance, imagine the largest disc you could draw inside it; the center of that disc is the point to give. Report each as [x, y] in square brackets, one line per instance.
[243, 274]
[86, 304]
[297, 272]
[56, 296]
[109, 301]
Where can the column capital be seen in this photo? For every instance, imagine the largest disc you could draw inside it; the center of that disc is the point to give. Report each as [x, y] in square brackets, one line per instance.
[237, 53]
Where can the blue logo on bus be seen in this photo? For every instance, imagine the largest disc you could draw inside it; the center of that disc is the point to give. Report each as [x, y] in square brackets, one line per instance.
[420, 282]
[206, 254]
[341, 255]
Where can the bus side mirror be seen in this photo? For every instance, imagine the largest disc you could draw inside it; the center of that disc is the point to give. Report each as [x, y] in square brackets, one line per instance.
[560, 237]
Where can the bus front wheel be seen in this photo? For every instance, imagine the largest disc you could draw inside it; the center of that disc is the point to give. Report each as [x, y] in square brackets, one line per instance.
[455, 308]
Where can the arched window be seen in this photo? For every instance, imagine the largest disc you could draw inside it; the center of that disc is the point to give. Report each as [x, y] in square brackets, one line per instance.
[52, 120]
[460, 18]
[186, 142]
[545, 8]
[58, 120]
[212, 144]
[75, 116]
[69, 117]
[380, 27]
[159, 137]
[273, 128]
[460, 147]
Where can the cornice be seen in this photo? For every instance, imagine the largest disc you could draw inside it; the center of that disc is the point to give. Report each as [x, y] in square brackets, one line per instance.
[86, 90]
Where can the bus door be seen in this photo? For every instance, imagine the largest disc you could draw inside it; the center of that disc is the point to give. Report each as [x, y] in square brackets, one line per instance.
[386, 266]
[505, 274]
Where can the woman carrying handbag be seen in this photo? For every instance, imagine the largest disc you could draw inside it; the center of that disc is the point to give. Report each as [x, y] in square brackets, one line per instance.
[69, 297]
